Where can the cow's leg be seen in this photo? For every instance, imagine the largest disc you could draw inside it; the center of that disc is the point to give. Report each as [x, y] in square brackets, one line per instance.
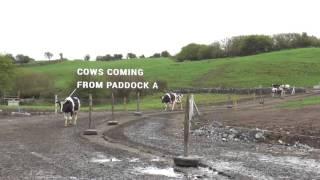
[65, 119]
[173, 106]
[165, 106]
[71, 118]
[75, 118]
[181, 106]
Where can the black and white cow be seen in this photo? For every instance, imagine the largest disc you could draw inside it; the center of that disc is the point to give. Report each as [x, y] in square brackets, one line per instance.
[70, 107]
[172, 99]
[279, 89]
[276, 90]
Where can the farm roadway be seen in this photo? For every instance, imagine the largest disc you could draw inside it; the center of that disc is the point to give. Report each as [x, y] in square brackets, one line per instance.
[39, 147]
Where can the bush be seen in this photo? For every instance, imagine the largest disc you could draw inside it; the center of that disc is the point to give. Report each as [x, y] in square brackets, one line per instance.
[255, 44]
[156, 55]
[7, 73]
[21, 59]
[200, 51]
[109, 57]
[31, 84]
[189, 52]
[165, 54]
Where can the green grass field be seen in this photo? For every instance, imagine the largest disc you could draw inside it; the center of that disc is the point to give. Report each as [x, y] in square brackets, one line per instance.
[152, 102]
[298, 67]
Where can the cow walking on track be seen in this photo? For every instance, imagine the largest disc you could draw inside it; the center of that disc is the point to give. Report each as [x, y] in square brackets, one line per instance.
[70, 107]
[172, 99]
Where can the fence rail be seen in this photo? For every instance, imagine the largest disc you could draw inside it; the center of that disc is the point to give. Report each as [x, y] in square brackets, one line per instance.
[264, 90]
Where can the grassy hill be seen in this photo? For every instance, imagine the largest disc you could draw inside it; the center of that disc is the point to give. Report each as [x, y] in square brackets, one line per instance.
[299, 67]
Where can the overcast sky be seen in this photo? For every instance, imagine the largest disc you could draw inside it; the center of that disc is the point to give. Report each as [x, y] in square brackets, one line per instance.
[99, 27]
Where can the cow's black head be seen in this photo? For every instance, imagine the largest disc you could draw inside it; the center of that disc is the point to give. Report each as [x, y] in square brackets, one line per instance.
[166, 99]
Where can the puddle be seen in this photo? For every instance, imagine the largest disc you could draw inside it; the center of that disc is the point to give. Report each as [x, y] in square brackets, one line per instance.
[95, 160]
[208, 171]
[134, 160]
[157, 159]
[168, 172]
[294, 162]
[101, 158]
[238, 167]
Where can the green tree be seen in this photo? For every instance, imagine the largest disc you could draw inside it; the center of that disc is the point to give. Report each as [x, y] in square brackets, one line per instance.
[48, 55]
[7, 73]
[189, 52]
[117, 56]
[87, 57]
[20, 59]
[255, 44]
[165, 54]
[10, 56]
[131, 56]
[61, 56]
[155, 55]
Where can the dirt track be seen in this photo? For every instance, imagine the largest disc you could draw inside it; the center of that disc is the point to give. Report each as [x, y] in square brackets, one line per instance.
[40, 147]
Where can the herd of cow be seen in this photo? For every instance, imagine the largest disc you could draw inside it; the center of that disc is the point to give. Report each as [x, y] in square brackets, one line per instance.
[281, 90]
[71, 105]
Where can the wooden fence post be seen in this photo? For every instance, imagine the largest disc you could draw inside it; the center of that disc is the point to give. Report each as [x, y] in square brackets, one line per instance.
[138, 113]
[90, 110]
[112, 106]
[125, 103]
[55, 104]
[90, 131]
[261, 97]
[138, 101]
[186, 126]
[186, 160]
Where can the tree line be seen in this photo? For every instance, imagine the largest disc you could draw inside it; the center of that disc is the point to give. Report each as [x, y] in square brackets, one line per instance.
[130, 55]
[23, 59]
[246, 45]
